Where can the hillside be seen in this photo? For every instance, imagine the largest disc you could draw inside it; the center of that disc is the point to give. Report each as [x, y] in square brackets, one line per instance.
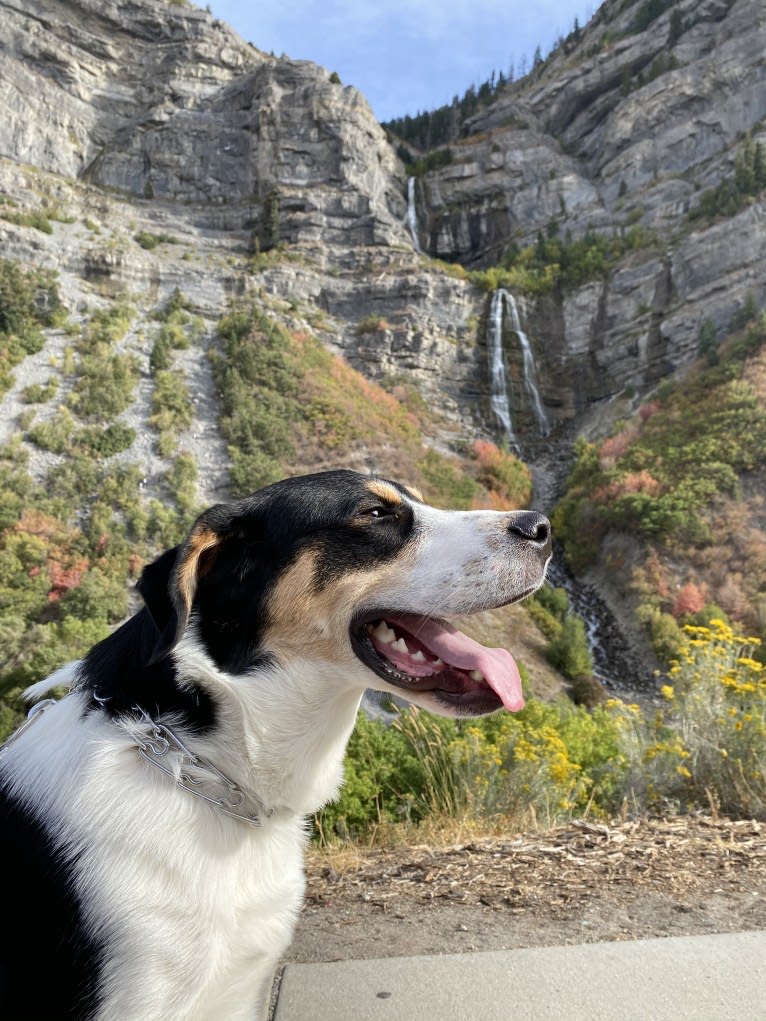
[668, 511]
[216, 272]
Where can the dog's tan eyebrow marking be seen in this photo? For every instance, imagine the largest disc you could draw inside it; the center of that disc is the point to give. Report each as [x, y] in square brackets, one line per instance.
[385, 492]
[199, 541]
[414, 491]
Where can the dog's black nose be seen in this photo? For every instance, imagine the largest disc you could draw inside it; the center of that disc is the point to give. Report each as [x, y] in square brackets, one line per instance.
[531, 526]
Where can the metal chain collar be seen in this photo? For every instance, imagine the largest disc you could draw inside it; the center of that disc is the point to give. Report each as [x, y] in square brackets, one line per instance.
[160, 746]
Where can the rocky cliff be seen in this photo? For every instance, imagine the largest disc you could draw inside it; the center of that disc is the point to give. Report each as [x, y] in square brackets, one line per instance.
[619, 133]
[266, 175]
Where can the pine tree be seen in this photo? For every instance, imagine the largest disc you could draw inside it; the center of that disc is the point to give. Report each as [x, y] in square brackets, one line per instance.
[707, 344]
[759, 166]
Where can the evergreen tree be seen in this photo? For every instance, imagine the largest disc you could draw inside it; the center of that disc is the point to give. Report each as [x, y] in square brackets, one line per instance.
[707, 344]
[676, 27]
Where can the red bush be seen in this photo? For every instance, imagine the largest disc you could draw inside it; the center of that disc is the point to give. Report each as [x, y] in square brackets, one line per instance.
[689, 600]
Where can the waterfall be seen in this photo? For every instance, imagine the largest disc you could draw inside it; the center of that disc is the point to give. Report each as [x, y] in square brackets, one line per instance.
[498, 378]
[530, 369]
[497, 375]
[412, 214]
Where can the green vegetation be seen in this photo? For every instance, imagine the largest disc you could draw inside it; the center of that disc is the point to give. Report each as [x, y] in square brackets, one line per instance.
[71, 541]
[659, 476]
[554, 761]
[733, 193]
[648, 12]
[258, 382]
[40, 218]
[506, 479]
[39, 393]
[371, 324]
[28, 302]
[435, 128]
[105, 380]
[556, 263]
[433, 160]
[662, 500]
[284, 393]
[267, 235]
[149, 240]
[172, 407]
[179, 328]
[172, 410]
[105, 386]
[567, 649]
[445, 476]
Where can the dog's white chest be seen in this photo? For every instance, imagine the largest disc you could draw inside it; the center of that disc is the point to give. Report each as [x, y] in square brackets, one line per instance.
[202, 930]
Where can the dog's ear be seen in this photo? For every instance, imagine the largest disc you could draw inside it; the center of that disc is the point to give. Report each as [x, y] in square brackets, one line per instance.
[154, 587]
[168, 585]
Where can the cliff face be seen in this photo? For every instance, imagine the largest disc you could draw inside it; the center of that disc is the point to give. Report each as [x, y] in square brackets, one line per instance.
[160, 100]
[620, 128]
[154, 117]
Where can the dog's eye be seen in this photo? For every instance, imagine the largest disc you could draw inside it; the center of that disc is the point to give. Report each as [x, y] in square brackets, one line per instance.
[379, 512]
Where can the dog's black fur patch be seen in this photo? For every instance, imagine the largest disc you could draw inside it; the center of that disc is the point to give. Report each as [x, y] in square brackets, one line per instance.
[56, 976]
[123, 673]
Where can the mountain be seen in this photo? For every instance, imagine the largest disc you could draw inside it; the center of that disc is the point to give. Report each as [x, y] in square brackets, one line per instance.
[212, 274]
[612, 145]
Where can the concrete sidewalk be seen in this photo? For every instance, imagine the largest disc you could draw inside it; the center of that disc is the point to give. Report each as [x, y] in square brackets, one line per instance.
[715, 978]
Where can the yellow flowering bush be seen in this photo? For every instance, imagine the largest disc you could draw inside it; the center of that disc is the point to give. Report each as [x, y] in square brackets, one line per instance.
[555, 760]
[718, 702]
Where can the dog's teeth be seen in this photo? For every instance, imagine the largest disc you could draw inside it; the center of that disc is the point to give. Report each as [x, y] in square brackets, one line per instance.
[437, 662]
[384, 634]
[400, 645]
[418, 657]
[477, 675]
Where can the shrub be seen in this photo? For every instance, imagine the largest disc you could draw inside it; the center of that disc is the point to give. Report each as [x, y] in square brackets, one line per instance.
[717, 707]
[732, 193]
[172, 408]
[371, 324]
[258, 382]
[547, 762]
[449, 484]
[182, 480]
[38, 393]
[149, 240]
[560, 263]
[690, 600]
[28, 301]
[569, 652]
[662, 474]
[56, 434]
[106, 442]
[105, 386]
[503, 475]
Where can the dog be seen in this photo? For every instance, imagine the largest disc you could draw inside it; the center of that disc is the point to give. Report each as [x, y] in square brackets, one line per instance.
[154, 819]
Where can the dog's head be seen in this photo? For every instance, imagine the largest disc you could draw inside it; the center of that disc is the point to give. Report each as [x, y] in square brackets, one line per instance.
[353, 572]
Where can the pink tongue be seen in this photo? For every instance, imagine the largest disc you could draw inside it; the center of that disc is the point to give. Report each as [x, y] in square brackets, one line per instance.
[458, 650]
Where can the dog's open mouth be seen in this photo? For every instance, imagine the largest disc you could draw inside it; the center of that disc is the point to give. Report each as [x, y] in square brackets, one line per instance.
[426, 655]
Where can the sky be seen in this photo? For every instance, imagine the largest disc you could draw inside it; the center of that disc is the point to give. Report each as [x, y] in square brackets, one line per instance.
[406, 55]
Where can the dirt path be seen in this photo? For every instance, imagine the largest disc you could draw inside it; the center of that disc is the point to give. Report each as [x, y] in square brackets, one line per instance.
[580, 883]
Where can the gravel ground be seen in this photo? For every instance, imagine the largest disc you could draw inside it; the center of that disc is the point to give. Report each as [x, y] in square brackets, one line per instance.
[579, 883]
